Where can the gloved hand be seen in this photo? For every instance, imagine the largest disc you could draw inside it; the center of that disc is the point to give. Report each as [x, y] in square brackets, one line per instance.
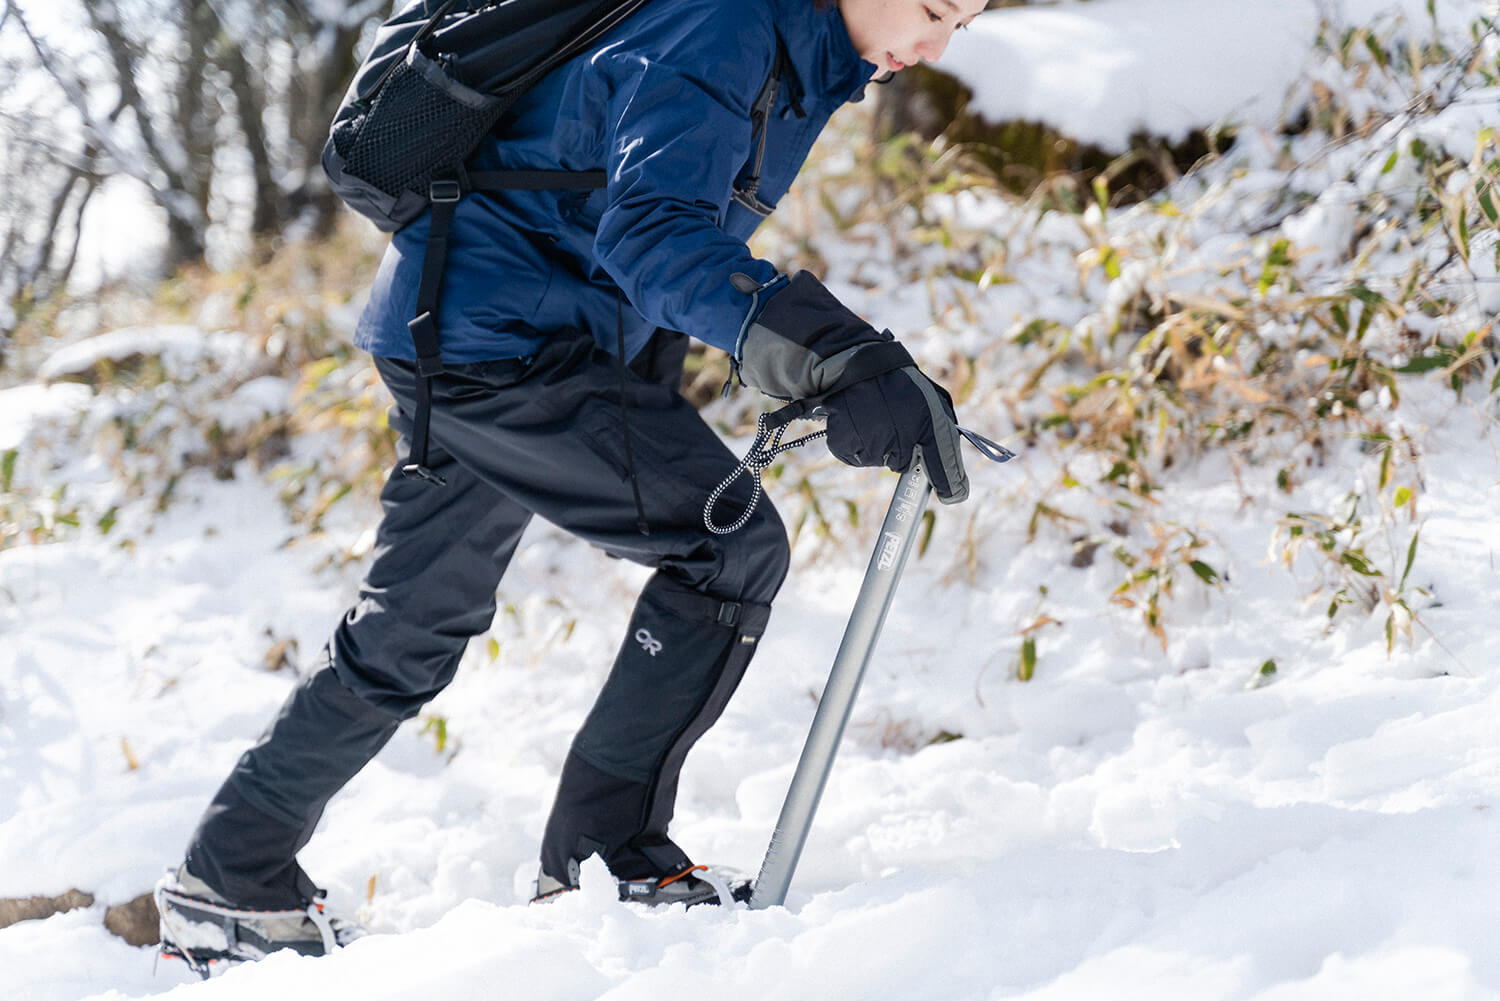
[801, 343]
[885, 420]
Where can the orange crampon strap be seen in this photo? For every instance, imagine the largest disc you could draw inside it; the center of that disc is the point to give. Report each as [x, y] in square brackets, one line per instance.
[686, 872]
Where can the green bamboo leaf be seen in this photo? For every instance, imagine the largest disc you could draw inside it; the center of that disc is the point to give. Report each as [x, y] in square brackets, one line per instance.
[8, 469]
[1111, 263]
[929, 521]
[1027, 669]
[1487, 203]
[1340, 317]
[1207, 573]
[438, 727]
[1359, 563]
[1279, 257]
[1411, 557]
[1425, 363]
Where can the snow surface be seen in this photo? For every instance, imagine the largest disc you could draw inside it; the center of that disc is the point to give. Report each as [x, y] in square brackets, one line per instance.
[1132, 823]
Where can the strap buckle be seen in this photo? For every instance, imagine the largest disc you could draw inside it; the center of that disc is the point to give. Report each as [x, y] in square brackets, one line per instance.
[444, 190]
[417, 471]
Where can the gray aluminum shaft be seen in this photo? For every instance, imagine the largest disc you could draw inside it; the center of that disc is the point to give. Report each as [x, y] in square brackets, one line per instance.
[896, 536]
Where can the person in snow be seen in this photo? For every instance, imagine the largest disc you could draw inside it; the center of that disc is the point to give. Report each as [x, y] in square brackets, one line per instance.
[547, 296]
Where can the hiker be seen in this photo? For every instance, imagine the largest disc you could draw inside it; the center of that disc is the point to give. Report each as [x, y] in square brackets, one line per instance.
[563, 326]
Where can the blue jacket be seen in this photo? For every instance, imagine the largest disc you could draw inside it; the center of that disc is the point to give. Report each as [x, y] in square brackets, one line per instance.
[664, 107]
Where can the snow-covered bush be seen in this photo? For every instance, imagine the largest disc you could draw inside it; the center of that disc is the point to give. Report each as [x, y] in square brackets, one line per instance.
[1272, 309]
[247, 369]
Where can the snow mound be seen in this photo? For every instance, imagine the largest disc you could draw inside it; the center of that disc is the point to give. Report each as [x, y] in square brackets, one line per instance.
[181, 349]
[1101, 71]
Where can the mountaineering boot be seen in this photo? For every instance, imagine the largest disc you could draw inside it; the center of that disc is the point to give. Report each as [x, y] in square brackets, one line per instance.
[202, 928]
[697, 884]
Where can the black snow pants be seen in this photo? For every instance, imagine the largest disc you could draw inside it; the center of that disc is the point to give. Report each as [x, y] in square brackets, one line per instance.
[515, 438]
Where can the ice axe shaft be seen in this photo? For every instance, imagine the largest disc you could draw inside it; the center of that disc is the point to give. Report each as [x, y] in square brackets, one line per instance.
[896, 536]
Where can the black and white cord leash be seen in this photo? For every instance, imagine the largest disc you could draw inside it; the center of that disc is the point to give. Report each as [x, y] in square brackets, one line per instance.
[769, 427]
[762, 453]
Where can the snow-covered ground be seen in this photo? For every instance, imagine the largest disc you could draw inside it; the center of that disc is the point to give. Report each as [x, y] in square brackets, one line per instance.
[1125, 825]
[1133, 822]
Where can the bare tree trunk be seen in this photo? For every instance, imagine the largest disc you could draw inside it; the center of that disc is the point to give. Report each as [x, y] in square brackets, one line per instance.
[311, 106]
[250, 107]
[195, 125]
[41, 254]
[61, 275]
[187, 220]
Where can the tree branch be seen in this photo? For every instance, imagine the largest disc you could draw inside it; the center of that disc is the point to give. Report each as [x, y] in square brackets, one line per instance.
[91, 185]
[42, 254]
[125, 62]
[174, 201]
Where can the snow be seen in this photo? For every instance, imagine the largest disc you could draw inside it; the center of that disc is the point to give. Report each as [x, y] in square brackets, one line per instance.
[1100, 71]
[1137, 821]
[179, 346]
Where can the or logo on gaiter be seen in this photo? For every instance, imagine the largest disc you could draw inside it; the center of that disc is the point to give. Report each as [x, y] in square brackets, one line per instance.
[648, 643]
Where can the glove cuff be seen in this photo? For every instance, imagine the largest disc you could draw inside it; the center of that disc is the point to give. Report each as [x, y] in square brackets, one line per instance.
[803, 342]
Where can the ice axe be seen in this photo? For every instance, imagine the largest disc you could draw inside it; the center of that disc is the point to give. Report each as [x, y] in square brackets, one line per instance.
[891, 550]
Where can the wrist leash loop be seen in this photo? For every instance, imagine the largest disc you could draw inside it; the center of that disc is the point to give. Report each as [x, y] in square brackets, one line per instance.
[769, 427]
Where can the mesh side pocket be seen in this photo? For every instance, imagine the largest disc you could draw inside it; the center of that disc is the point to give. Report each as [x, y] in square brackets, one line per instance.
[422, 124]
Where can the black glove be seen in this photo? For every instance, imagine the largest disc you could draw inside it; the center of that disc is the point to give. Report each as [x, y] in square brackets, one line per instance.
[885, 420]
[801, 343]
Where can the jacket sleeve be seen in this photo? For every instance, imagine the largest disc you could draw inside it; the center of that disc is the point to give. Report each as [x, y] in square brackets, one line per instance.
[675, 141]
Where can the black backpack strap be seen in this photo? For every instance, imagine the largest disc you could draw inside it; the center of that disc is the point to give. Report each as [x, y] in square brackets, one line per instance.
[444, 195]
